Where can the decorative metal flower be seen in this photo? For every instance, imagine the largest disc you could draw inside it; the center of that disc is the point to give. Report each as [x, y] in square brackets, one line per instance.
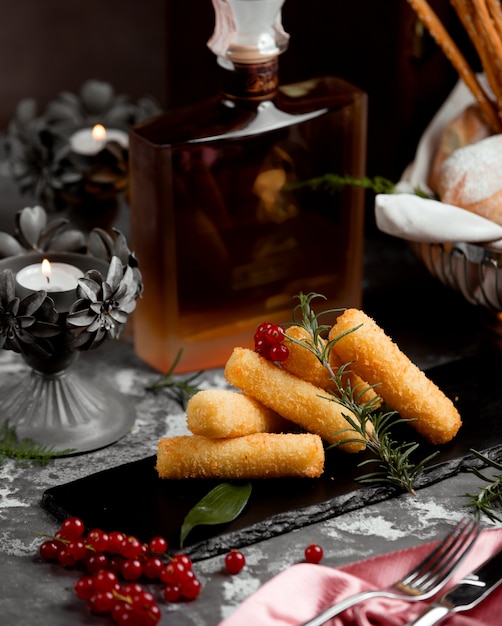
[103, 306]
[25, 324]
[39, 154]
[97, 103]
[33, 233]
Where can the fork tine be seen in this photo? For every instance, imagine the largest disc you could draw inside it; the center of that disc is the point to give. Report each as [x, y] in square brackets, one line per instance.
[440, 564]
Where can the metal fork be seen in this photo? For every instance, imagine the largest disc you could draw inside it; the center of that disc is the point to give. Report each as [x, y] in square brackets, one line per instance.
[423, 581]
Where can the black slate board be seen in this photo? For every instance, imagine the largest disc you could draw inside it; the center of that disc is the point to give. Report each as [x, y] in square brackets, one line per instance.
[132, 498]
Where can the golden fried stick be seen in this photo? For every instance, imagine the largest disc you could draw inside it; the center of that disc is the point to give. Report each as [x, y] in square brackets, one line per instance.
[261, 455]
[377, 359]
[221, 413]
[302, 363]
[295, 399]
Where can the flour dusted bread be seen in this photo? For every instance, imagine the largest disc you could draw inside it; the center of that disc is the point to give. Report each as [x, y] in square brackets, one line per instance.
[471, 178]
[468, 127]
[377, 359]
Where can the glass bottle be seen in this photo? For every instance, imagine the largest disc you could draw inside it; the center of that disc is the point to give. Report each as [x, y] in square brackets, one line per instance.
[223, 239]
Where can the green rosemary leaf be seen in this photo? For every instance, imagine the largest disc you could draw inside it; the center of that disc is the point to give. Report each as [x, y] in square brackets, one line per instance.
[335, 182]
[392, 459]
[180, 389]
[221, 505]
[488, 500]
[25, 450]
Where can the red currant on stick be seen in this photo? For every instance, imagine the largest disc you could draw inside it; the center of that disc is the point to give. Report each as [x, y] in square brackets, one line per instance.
[234, 561]
[268, 342]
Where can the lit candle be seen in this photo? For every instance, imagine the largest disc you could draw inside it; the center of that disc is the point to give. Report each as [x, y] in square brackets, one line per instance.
[89, 141]
[59, 280]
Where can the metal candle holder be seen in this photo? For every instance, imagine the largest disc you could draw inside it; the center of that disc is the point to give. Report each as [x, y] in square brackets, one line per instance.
[52, 404]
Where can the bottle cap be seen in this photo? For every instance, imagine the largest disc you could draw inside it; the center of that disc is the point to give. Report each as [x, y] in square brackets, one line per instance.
[247, 31]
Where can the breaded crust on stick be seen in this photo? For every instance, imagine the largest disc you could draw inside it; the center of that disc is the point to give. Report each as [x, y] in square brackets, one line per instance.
[262, 455]
[295, 399]
[377, 359]
[302, 363]
[222, 413]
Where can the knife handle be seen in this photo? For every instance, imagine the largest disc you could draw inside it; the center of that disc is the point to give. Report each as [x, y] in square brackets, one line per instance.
[430, 616]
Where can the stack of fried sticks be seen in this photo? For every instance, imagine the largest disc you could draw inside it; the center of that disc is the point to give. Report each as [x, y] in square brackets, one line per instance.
[482, 21]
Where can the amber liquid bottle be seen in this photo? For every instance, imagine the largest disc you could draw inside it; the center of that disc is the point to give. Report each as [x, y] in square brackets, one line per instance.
[223, 239]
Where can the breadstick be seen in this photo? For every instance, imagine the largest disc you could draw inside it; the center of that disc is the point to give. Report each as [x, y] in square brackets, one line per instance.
[261, 455]
[402, 384]
[221, 413]
[293, 398]
[303, 364]
[451, 51]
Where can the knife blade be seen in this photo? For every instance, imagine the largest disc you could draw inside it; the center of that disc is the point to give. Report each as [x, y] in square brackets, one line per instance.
[466, 594]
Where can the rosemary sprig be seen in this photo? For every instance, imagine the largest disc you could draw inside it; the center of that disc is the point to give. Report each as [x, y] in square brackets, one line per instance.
[391, 458]
[178, 389]
[489, 498]
[335, 182]
[25, 450]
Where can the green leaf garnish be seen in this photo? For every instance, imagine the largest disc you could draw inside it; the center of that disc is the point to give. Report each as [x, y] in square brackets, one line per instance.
[25, 450]
[221, 505]
[335, 182]
[489, 498]
[179, 389]
[392, 459]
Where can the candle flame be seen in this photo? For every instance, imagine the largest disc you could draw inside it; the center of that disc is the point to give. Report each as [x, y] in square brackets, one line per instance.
[46, 269]
[99, 132]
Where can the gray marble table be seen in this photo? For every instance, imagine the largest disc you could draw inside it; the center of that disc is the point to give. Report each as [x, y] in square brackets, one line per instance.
[431, 325]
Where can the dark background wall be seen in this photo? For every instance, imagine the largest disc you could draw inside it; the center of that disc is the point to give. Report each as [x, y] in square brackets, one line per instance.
[158, 47]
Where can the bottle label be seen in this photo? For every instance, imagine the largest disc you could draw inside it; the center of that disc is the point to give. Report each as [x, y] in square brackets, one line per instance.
[252, 82]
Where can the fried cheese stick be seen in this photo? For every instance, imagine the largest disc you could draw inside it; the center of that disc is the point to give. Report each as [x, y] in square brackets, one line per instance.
[221, 413]
[406, 388]
[261, 455]
[295, 399]
[302, 363]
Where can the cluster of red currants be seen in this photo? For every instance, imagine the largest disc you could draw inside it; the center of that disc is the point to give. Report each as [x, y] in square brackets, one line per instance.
[269, 342]
[111, 557]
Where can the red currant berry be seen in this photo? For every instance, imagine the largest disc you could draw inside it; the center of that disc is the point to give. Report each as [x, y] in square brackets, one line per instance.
[132, 569]
[66, 558]
[263, 328]
[49, 550]
[85, 587]
[101, 602]
[279, 352]
[262, 347]
[96, 562]
[234, 561]
[77, 548]
[158, 545]
[191, 588]
[172, 593]
[313, 553]
[152, 567]
[131, 547]
[98, 540]
[72, 528]
[172, 573]
[115, 539]
[275, 334]
[184, 559]
[151, 617]
[106, 581]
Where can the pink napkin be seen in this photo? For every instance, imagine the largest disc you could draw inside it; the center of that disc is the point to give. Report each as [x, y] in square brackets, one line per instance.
[301, 591]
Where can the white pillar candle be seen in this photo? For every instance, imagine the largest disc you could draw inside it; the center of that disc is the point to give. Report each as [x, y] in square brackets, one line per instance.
[89, 141]
[59, 280]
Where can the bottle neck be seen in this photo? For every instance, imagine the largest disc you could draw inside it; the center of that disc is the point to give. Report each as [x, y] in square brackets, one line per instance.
[251, 82]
